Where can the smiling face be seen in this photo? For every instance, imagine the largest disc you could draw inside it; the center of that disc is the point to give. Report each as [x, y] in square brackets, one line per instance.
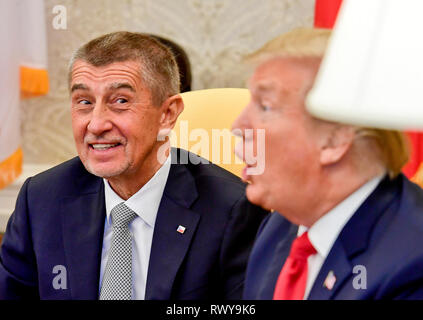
[278, 89]
[114, 123]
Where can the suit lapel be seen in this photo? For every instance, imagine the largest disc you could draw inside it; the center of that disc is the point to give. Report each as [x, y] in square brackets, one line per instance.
[336, 269]
[169, 246]
[83, 226]
[281, 254]
[354, 238]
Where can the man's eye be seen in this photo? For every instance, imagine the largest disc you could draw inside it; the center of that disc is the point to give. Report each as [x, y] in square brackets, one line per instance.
[84, 102]
[264, 107]
[121, 100]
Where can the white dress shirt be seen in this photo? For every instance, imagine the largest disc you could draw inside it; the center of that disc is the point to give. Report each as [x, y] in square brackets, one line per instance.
[325, 231]
[145, 203]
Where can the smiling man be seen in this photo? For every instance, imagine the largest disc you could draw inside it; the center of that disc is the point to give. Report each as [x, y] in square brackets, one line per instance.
[348, 224]
[120, 221]
[116, 123]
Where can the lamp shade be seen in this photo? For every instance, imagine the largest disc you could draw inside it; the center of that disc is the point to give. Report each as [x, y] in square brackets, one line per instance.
[372, 73]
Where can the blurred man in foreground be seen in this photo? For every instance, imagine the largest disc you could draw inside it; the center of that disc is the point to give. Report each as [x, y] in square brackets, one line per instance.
[129, 218]
[349, 224]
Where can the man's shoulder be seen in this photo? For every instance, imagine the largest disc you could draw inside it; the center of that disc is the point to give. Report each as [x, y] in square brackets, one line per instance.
[412, 194]
[399, 226]
[409, 212]
[397, 199]
[393, 251]
[195, 178]
[65, 178]
[67, 169]
[205, 172]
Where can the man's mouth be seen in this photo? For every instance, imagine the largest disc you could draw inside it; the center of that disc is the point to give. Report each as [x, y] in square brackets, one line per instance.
[103, 146]
[245, 176]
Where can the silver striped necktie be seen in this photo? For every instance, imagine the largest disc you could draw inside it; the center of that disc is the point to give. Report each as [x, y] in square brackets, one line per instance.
[117, 279]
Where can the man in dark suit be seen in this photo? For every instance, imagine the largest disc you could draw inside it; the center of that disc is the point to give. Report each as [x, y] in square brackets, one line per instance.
[129, 218]
[347, 224]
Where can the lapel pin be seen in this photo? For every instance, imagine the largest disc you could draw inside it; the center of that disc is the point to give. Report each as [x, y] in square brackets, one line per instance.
[330, 280]
[181, 229]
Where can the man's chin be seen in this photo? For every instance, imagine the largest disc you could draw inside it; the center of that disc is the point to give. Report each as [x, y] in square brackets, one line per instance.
[256, 196]
[103, 171]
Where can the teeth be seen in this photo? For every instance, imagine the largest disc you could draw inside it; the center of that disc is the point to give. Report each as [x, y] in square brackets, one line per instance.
[103, 146]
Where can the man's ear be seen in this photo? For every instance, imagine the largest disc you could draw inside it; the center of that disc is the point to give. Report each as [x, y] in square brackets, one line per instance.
[336, 144]
[171, 108]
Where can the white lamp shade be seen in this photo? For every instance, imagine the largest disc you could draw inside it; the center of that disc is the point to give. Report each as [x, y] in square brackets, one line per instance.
[372, 73]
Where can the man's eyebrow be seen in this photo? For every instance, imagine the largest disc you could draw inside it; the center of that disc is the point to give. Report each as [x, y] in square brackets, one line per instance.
[121, 85]
[262, 87]
[79, 86]
[269, 86]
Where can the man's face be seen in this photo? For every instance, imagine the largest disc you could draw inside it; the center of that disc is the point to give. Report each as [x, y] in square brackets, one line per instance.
[291, 152]
[114, 123]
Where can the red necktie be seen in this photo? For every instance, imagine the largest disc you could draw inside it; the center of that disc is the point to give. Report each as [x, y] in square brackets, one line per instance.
[292, 280]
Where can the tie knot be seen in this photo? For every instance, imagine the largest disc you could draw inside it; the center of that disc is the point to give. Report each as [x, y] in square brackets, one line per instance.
[302, 247]
[122, 215]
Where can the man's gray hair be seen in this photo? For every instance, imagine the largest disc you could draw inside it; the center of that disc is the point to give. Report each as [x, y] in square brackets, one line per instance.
[159, 70]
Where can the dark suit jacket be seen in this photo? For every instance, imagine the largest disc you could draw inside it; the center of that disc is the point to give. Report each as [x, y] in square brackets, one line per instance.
[385, 236]
[59, 220]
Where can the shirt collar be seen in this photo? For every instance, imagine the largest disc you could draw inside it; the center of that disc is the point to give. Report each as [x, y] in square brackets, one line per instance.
[145, 202]
[325, 231]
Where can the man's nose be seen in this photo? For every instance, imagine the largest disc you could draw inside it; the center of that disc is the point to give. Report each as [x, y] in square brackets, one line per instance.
[100, 120]
[241, 123]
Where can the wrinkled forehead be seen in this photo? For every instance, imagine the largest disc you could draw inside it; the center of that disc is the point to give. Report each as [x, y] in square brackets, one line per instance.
[285, 75]
[127, 71]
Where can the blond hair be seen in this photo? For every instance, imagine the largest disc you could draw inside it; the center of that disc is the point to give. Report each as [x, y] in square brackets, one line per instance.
[299, 43]
[159, 70]
[392, 146]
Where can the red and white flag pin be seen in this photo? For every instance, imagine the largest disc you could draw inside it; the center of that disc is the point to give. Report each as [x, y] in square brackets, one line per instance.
[330, 280]
[181, 229]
